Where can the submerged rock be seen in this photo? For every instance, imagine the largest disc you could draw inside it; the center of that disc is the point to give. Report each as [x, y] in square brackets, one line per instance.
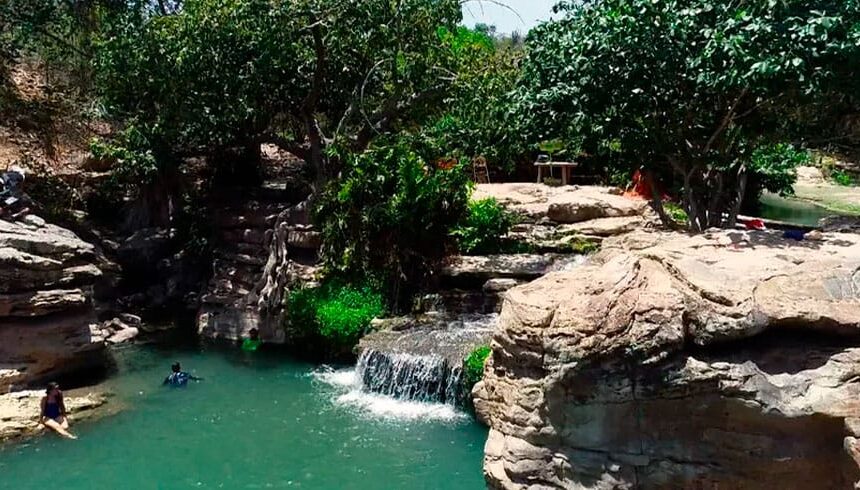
[674, 361]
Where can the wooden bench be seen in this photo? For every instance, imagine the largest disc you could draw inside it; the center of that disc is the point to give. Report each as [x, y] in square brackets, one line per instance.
[566, 168]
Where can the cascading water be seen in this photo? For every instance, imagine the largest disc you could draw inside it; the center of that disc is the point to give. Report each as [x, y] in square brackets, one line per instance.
[414, 373]
[427, 378]
[423, 364]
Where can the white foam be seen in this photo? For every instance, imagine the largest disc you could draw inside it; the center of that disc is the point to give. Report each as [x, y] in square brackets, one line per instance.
[381, 406]
[339, 377]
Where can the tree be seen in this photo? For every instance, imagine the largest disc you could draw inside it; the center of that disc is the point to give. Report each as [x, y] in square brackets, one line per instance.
[478, 121]
[689, 89]
[307, 75]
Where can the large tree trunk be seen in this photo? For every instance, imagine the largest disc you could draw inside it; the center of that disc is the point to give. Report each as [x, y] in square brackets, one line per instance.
[713, 198]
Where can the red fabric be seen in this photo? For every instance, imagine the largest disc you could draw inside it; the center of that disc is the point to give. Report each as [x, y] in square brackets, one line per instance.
[641, 190]
[755, 224]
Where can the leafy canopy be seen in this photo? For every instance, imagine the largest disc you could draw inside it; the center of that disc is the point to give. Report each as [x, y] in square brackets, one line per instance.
[303, 74]
[688, 89]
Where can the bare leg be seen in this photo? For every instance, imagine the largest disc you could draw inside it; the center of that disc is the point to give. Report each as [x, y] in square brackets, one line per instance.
[60, 428]
[64, 422]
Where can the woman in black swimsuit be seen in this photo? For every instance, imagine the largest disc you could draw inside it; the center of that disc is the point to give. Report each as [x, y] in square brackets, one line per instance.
[54, 414]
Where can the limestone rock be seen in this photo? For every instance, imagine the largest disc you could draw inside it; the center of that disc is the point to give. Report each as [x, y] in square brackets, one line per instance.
[674, 361]
[125, 335]
[47, 281]
[480, 269]
[571, 204]
[499, 285]
[19, 411]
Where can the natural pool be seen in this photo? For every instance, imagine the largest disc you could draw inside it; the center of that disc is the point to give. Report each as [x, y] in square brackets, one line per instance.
[775, 207]
[256, 421]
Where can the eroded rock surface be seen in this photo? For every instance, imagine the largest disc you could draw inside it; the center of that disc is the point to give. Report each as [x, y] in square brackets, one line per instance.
[674, 361]
[19, 411]
[48, 277]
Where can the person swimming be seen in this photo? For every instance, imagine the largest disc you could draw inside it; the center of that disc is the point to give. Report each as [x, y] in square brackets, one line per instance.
[253, 342]
[54, 415]
[178, 377]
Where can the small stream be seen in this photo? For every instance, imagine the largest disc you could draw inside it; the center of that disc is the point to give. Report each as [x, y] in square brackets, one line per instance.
[256, 421]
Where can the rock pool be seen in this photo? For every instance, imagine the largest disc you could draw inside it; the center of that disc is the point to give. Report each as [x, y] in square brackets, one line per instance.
[256, 421]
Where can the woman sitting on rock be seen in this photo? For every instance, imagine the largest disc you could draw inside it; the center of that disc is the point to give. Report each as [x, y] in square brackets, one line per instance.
[54, 415]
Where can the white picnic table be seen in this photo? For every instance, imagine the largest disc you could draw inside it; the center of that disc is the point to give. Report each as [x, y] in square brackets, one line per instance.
[566, 168]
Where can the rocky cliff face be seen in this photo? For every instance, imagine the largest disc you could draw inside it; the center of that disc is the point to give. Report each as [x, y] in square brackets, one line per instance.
[48, 277]
[713, 362]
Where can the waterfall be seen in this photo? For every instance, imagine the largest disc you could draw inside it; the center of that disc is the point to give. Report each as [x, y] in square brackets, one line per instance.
[423, 363]
[426, 378]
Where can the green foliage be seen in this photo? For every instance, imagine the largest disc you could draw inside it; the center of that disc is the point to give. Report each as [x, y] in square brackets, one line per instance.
[390, 214]
[842, 178]
[676, 212]
[688, 89]
[483, 230]
[552, 147]
[775, 167]
[333, 316]
[134, 162]
[478, 120]
[583, 246]
[299, 74]
[473, 365]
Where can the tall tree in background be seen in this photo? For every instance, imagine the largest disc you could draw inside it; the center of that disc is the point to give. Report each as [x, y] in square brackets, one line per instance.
[689, 89]
[307, 75]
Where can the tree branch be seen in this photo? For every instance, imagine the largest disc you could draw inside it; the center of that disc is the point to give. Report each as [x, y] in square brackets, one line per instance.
[726, 121]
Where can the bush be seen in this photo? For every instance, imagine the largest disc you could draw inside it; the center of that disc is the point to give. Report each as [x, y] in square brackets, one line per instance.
[842, 178]
[473, 366]
[332, 317]
[390, 216]
[676, 212]
[483, 230]
[582, 246]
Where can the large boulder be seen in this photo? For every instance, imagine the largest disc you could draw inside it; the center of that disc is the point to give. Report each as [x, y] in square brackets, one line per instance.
[671, 361]
[47, 281]
[568, 204]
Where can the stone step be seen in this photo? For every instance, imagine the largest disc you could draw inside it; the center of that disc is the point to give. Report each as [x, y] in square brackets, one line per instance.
[467, 272]
[253, 236]
[226, 286]
[240, 258]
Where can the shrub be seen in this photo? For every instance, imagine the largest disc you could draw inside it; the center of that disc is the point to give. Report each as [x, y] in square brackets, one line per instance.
[333, 316]
[483, 230]
[473, 366]
[676, 212]
[390, 216]
[583, 246]
[842, 178]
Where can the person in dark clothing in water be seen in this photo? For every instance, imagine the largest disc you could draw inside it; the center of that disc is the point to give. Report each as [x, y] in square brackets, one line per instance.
[54, 415]
[178, 377]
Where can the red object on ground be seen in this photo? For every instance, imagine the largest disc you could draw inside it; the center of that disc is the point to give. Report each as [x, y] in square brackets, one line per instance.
[641, 190]
[755, 224]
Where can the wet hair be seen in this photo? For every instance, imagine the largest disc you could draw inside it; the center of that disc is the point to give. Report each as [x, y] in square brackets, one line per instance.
[51, 387]
[176, 367]
[253, 332]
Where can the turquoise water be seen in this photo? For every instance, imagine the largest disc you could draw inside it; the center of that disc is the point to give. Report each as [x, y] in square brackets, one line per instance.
[256, 421]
